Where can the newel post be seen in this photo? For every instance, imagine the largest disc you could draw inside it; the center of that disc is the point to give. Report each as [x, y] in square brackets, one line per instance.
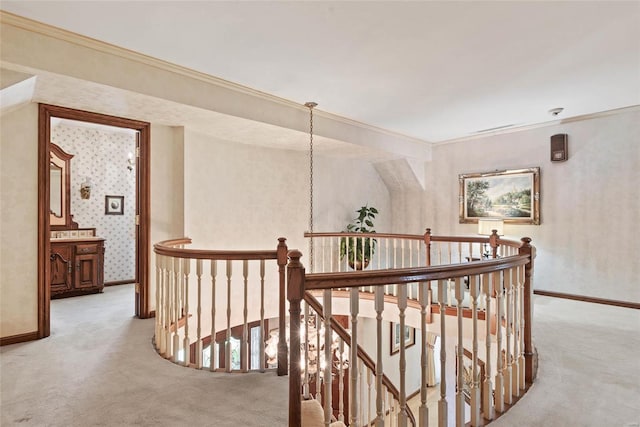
[283, 356]
[493, 242]
[427, 244]
[427, 247]
[530, 355]
[295, 291]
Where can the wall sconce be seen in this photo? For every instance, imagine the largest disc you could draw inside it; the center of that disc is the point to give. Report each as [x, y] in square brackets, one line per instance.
[85, 188]
[130, 161]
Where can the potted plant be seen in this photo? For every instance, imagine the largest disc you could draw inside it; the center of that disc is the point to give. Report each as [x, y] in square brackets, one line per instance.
[359, 250]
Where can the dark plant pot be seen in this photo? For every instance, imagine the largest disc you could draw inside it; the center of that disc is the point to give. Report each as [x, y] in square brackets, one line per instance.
[359, 265]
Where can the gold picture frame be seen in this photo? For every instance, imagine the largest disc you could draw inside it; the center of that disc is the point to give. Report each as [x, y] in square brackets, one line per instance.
[510, 195]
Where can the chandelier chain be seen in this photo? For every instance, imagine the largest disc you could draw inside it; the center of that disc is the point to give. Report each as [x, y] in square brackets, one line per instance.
[310, 105]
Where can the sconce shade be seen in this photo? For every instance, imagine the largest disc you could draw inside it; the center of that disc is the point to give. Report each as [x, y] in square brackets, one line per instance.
[85, 188]
[486, 226]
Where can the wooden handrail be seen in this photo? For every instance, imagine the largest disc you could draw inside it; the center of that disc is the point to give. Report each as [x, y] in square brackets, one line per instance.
[166, 248]
[362, 354]
[353, 279]
[374, 235]
[420, 237]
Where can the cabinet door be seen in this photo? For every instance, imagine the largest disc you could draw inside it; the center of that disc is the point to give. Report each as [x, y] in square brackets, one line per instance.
[61, 268]
[87, 267]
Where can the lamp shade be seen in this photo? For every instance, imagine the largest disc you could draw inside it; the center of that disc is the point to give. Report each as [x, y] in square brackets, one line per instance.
[486, 226]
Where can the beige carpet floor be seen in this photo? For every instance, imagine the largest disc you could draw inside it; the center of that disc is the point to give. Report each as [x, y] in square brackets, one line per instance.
[98, 368]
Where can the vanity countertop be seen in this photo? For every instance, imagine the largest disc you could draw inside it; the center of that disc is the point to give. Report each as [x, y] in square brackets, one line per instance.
[76, 239]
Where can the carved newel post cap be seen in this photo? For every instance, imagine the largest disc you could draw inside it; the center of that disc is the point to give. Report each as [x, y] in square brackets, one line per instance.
[282, 239]
[294, 258]
[526, 241]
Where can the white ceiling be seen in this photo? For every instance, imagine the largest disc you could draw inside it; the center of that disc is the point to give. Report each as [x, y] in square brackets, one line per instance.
[432, 70]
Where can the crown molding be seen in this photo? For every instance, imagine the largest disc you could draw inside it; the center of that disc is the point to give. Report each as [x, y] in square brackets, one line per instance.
[7, 18]
[541, 125]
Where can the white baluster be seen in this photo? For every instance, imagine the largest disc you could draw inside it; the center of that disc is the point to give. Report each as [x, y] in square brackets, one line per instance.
[459, 292]
[199, 311]
[515, 368]
[508, 281]
[487, 391]
[262, 334]
[158, 320]
[328, 357]
[499, 388]
[379, 307]
[305, 384]
[160, 306]
[341, 381]
[244, 344]
[474, 290]
[213, 346]
[227, 343]
[186, 270]
[353, 387]
[442, 403]
[423, 297]
[168, 306]
[402, 306]
[177, 309]
[367, 420]
[331, 251]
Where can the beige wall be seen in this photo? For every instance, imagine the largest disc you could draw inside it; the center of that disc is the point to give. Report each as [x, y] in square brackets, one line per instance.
[167, 189]
[590, 207]
[244, 197]
[19, 221]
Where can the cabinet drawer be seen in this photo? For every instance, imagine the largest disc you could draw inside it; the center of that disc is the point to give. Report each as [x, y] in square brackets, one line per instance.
[90, 248]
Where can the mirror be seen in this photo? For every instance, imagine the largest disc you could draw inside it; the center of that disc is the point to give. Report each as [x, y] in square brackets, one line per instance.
[59, 189]
[55, 183]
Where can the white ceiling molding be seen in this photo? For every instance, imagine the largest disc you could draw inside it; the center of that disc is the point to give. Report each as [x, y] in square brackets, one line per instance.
[516, 129]
[257, 106]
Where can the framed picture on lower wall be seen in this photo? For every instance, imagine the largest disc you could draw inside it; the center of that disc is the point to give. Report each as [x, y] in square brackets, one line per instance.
[409, 337]
[114, 205]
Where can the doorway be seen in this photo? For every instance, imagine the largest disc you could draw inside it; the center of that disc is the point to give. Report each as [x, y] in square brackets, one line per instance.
[141, 162]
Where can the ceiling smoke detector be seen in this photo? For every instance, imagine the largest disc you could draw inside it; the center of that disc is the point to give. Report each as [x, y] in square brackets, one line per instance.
[555, 111]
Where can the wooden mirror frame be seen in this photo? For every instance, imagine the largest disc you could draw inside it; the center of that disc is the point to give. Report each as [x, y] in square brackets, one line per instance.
[63, 159]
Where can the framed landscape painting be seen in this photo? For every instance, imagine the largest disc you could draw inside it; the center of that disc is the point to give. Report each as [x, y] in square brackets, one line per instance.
[511, 195]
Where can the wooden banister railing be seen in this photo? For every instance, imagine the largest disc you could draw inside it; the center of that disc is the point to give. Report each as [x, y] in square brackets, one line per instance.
[180, 308]
[491, 282]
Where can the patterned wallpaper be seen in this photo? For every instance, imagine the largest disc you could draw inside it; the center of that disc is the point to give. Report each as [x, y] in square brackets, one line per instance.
[101, 154]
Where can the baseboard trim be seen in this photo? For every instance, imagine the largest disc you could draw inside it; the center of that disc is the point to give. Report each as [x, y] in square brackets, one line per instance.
[15, 339]
[584, 298]
[120, 282]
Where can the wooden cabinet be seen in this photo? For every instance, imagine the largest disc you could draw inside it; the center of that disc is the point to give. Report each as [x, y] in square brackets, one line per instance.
[77, 267]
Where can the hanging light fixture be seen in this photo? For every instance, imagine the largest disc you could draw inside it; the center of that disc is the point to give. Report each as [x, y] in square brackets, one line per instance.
[310, 106]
